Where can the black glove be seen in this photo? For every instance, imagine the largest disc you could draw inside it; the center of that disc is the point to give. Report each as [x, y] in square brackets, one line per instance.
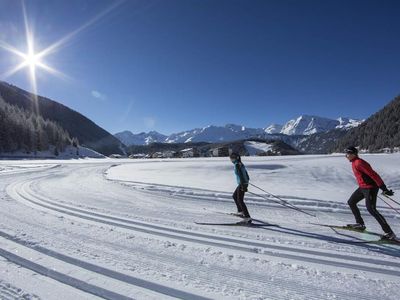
[243, 187]
[385, 191]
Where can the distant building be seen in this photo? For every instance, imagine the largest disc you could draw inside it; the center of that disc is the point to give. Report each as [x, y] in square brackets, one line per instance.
[157, 155]
[220, 152]
[169, 154]
[189, 152]
[115, 156]
[138, 156]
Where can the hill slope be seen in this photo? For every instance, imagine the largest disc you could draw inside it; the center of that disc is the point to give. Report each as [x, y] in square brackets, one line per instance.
[88, 133]
[381, 130]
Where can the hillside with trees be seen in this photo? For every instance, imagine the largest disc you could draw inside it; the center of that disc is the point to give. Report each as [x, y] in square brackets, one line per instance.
[21, 130]
[380, 131]
[86, 131]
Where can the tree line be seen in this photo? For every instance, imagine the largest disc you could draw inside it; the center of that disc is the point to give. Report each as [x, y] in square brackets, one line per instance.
[381, 130]
[22, 130]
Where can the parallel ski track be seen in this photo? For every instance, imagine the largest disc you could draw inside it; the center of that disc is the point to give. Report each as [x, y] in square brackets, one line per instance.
[22, 190]
[81, 285]
[257, 287]
[58, 276]
[307, 204]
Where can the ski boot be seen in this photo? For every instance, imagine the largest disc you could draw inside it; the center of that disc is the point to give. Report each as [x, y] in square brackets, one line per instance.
[239, 214]
[389, 237]
[245, 221]
[357, 226]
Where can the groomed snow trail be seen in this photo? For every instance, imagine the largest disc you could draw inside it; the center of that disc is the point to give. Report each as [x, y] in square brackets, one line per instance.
[98, 229]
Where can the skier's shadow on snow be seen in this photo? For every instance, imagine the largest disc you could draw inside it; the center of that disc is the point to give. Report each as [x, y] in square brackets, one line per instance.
[382, 249]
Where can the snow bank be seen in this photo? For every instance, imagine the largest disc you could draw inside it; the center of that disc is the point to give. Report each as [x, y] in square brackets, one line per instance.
[69, 153]
[321, 177]
[255, 148]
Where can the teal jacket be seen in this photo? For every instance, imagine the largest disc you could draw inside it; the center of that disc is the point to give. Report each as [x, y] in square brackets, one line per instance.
[242, 177]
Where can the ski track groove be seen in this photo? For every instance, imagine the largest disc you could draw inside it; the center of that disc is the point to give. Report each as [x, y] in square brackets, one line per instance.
[218, 241]
[202, 235]
[186, 192]
[64, 278]
[299, 290]
[274, 288]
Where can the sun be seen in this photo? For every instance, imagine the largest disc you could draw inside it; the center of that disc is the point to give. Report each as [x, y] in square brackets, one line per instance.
[33, 60]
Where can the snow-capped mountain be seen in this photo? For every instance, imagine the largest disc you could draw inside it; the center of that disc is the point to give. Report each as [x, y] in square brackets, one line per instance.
[273, 129]
[307, 125]
[213, 134]
[303, 125]
[347, 123]
[143, 138]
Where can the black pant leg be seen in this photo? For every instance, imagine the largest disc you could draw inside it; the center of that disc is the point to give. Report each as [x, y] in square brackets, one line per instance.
[356, 197]
[370, 202]
[235, 197]
[240, 202]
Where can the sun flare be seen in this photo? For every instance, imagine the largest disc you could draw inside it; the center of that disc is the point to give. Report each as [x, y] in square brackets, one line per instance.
[32, 60]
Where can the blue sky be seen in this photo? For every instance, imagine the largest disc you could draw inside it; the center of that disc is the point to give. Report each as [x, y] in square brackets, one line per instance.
[170, 65]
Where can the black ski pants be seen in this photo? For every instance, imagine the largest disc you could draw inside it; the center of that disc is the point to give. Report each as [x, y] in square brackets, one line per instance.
[370, 196]
[238, 196]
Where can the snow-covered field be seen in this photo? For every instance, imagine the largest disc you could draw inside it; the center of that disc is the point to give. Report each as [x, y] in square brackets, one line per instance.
[123, 229]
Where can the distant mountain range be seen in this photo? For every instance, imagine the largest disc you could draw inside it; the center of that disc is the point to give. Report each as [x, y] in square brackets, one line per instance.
[302, 126]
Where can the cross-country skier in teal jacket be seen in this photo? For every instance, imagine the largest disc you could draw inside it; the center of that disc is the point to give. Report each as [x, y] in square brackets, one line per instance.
[242, 178]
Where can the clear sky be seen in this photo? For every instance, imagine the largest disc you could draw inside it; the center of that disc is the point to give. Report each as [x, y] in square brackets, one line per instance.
[172, 65]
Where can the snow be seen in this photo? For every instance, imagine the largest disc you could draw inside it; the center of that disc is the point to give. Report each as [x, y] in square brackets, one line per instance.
[307, 125]
[255, 148]
[143, 138]
[126, 228]
[273, 129]
[68, 153]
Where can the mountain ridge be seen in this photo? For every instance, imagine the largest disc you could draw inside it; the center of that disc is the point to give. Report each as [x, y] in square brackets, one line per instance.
[303, 125]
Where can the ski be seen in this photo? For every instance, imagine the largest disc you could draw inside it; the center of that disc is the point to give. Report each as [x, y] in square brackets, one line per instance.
[381, 241]
[344, 227]
[386, 242]
[235, 224]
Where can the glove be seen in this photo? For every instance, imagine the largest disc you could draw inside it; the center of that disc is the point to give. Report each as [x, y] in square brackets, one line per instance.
[243, 187]
[385, 191]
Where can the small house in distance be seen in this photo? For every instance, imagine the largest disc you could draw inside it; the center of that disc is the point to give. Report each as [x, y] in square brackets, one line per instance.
[219, 152]
[138, 156]
[189, 152]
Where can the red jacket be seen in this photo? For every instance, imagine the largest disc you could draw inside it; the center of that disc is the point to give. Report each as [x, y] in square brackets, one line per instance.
[366, 177]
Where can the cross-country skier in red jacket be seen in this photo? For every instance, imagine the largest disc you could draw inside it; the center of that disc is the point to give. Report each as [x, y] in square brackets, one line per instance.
[369, 183]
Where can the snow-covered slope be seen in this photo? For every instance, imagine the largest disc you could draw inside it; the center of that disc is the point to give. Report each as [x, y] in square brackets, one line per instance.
[68, 153]
[212, 134]
[307, 125]
[273, 129]
[256, 148]
[123, 229]
[143, 138]
[347, 123]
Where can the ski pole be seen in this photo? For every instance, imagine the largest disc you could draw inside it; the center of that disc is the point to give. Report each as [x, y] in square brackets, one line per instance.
[285, 204]
[268, 199]
[388, 204]
[281, 201]
[391, 199]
